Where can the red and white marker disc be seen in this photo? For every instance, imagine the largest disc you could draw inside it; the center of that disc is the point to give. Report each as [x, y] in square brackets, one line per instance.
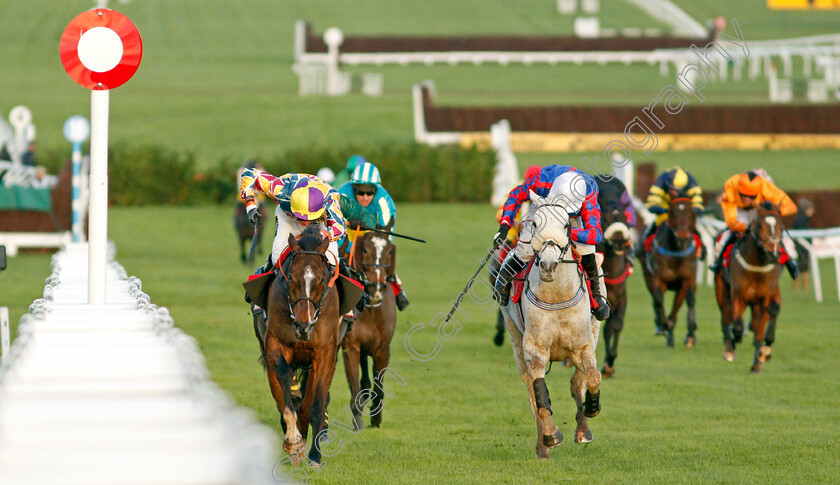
[101, 49]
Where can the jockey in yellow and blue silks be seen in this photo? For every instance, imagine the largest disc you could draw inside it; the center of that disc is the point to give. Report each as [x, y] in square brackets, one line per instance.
[301, 200]
[365, 187]
[675, 180]
[579, 193]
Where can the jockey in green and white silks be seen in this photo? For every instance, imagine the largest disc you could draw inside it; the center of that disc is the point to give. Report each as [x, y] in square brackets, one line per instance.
[365, 187]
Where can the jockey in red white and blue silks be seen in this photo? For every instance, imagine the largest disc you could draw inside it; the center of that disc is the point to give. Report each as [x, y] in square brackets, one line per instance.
[301, 199]
[579, 194]
[588, 232]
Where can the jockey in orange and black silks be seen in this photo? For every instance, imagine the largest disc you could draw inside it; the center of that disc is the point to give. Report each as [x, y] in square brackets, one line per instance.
[579, 194]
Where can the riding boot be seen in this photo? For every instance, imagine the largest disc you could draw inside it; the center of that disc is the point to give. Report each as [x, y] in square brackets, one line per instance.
[510, 267]
[262, 269]
[715, 267]
[590, 265]
[792, 267]
[402, 300]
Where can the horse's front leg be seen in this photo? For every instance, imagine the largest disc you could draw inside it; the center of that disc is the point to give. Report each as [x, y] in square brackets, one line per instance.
[691, 318]
[535, 358]
[585, 386]
[773, 309]
[351, 354]
[610, 345]
[658, 295]
[736, 330]
[280, 380]
[380, 363]
[760, 317]
[323, 369]
[679, 298]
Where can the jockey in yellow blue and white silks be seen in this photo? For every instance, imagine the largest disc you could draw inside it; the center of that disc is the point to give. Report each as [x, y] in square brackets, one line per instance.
[301, 200]
[578, 192]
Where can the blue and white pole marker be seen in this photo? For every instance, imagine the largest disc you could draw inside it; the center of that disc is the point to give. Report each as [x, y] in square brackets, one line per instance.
[77, 131]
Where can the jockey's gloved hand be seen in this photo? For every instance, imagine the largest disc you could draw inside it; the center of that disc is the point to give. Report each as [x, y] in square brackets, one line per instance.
[254, 216]
[502, 235]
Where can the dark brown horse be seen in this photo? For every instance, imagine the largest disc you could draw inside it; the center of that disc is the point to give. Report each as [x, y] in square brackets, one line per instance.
[374, 257]
[671, 264]
[245, 230]
[615, 247]
[302, 334]
[752, 279]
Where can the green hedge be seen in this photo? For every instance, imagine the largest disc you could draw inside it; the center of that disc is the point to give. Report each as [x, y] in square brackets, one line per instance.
[148, 174]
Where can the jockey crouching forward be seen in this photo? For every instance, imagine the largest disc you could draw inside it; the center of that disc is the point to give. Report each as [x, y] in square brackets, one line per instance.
[373, 206]
[301, 200]
[673, 182]
[742, 193]
[579, 192]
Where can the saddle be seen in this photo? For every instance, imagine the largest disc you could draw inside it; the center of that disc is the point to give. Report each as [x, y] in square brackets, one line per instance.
[350, 291]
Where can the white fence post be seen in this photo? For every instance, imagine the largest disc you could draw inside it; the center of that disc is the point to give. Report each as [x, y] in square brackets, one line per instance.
[5, 337]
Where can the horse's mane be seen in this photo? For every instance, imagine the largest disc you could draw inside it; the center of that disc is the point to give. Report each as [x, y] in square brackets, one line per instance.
[310, 239]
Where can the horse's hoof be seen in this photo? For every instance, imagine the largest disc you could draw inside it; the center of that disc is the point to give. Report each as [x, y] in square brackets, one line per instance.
[295, 450]
[670, 340]
[729, 356]
[690, 342]
[584, 436]
[542, 453]
[499, 339]
[756, 369]
[764, 353]
[315, 465]
[608, 371]
[553, 440]
[659, 332]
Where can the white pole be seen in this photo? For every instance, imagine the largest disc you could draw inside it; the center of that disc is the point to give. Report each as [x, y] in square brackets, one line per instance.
[98, 227]
[4, 331]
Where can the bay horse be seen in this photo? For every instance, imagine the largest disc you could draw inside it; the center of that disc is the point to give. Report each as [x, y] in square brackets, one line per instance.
[671, 264]
[752, 279]
[617, 267]
[375, 258]
[552, 322]
[302, 335]
[245, 230]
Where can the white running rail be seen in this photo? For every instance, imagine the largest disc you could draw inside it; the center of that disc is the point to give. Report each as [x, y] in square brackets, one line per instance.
[115, 394]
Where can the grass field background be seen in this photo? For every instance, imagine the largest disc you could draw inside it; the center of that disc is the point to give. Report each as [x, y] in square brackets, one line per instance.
[216, 76]
[671, 416]
[216, 80]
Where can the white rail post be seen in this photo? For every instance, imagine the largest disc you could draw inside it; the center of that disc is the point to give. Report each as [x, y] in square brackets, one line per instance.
[98, 226]
[5, 338]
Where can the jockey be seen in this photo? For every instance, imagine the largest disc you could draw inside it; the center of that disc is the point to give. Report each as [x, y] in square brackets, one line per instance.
[301, 200]
[344, 175]
[513, 234]
[365, 188]
[580, 191]
[681, 182]
[742, 193]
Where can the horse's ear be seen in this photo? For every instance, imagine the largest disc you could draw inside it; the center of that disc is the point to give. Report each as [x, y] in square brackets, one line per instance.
[533, 196]
[325, 243]
[343, 248]
[390, 224]
[292, 241]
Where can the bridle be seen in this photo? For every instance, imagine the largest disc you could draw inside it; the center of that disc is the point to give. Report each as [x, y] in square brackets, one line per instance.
[755, 228]
[364, 276]
[325, 283]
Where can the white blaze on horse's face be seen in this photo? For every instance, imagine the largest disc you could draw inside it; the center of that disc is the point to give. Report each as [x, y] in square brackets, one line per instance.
[379, 243]
[308, 279]
[551, 222]
[771, 226]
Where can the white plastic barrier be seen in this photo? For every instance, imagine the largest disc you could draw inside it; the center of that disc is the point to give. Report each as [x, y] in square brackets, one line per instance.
[114, 394]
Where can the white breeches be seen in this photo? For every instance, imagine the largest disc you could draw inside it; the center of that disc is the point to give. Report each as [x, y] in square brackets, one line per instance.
[286, 226]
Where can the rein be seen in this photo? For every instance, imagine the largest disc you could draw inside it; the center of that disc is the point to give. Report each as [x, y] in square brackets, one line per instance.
[327, 282]
[548, 306]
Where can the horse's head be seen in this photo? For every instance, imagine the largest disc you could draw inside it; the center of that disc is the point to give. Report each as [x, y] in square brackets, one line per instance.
[376, 257]
[551, 233]
[309, 274]
[681, 216]
[616, 231]
[767, 228]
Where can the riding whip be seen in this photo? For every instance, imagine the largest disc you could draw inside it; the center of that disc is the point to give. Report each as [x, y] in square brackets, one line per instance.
[254, 242]
[463, 293]
[383, 231]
